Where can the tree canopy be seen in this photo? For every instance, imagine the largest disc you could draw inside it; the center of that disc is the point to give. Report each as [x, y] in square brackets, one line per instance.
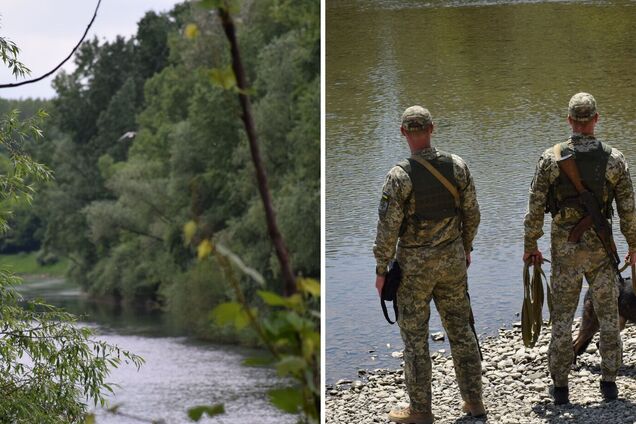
[143, 140]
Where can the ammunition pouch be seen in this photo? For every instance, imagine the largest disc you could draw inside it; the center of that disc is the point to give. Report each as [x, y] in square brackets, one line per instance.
[553, 205]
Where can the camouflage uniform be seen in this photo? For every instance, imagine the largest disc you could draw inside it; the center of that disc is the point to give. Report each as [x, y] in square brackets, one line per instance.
[433, 262]
[572, 261]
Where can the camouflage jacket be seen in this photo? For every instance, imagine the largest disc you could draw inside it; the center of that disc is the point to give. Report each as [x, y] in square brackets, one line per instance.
[396, 204]
[616, 176]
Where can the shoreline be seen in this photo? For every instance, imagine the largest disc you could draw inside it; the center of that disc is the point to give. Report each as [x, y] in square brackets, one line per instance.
[515, 382]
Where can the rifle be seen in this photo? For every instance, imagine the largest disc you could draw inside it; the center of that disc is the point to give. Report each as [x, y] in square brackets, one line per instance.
[594, 217]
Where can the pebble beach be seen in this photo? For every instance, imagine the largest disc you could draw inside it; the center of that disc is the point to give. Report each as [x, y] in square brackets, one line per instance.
[515, 381]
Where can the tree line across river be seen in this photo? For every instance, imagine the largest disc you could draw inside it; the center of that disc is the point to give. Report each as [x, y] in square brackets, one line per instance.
[141, 139]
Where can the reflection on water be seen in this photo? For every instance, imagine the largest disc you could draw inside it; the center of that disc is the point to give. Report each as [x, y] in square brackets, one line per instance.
[497, 77]
[178, 373]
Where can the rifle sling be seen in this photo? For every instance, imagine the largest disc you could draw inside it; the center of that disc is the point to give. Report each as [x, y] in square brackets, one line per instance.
[587, 221]
[604, 234]
[442, 179]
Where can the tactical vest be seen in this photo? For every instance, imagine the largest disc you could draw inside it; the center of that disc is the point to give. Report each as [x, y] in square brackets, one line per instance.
[592, 166]
[433, 201]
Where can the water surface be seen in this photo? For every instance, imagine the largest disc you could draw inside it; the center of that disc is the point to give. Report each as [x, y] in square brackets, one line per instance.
[178, 372]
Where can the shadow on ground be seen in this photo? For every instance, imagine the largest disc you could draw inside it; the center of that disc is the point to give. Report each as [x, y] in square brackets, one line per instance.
[618, 411]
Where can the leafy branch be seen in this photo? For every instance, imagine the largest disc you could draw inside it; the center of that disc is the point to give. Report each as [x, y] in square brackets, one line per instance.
[9, 53]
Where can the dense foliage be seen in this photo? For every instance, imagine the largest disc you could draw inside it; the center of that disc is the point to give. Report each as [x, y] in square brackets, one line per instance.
[50, 368]
[145, 141]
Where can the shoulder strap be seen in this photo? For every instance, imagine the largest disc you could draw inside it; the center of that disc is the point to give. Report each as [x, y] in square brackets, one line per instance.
[442, 179]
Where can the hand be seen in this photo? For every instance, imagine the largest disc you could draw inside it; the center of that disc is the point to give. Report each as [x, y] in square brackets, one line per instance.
[630, 258]
[379, 283]
[468, 259]
[536, 257]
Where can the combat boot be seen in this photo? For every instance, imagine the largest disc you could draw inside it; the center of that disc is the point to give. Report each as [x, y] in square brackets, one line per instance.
[609, 390]
[474, 409]
[408, 416]
[561, 395]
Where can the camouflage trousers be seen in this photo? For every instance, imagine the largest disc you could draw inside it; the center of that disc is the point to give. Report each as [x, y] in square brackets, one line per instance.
[438, 274]
[570, 263]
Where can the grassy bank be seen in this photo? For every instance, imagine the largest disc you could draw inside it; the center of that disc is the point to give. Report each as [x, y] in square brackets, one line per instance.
[25, 264]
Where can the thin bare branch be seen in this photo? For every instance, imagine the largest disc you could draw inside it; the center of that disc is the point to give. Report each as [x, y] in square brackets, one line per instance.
[261, 176]
[52, 71]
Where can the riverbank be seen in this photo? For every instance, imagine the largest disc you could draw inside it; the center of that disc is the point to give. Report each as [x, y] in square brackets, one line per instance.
[179, 372]
[516, 383]
[25, 265]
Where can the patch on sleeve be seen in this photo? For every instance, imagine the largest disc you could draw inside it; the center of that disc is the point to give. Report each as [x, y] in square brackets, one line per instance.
[384, 205]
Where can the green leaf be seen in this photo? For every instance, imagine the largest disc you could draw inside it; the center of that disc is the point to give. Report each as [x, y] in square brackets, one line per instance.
[188, 231]
[310, 343]
[242, 320]
[232, 313]
[309, 286]
[290, 365]
[288, 400]
[90, 419]
[223, 77]
[271, 298]
[197, 412]
[204, 249]
[296, 321]
[226, 313]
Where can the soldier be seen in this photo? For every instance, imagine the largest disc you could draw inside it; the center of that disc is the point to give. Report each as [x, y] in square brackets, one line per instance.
[434, 236]
[603, 171]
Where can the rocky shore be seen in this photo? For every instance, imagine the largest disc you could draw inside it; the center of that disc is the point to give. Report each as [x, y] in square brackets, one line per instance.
[516, 383]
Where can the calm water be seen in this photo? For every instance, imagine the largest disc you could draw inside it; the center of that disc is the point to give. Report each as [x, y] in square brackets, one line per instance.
[497, 77]
[178, 373]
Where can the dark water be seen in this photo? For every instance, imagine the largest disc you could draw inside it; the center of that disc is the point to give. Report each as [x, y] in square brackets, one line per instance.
[497, 77]
[178, 372]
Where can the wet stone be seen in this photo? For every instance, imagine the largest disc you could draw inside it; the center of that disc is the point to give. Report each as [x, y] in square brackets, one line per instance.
[515, 382]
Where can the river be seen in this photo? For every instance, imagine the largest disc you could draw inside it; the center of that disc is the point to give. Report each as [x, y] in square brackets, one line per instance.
[497, 77]
[178, 372]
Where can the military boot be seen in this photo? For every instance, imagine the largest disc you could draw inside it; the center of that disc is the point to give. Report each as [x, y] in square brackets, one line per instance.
[609, 390]
[475, 409]
[561, 395]
[408, 416]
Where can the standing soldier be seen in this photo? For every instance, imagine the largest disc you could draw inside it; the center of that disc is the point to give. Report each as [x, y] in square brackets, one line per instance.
[578, 248]
[434, 232]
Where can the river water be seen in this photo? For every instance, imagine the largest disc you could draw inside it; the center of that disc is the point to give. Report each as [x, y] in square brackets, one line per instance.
[497, 77]
[178, 372]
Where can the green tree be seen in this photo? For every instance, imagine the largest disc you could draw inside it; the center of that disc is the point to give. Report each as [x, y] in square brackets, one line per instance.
[185, 157]
[49, 365]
